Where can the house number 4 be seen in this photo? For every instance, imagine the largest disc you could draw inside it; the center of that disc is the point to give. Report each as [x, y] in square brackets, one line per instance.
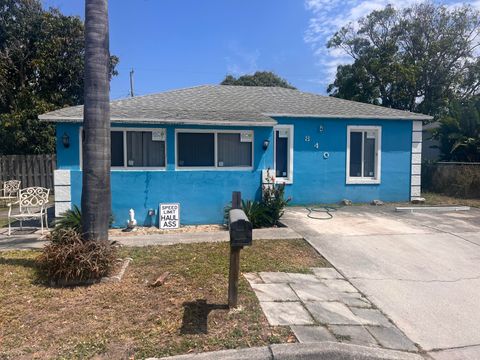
[316, 146]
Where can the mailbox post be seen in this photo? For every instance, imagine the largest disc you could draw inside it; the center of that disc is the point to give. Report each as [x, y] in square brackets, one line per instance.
[240, 235]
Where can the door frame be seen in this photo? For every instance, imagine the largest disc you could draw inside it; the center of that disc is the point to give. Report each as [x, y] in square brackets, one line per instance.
[289, 178]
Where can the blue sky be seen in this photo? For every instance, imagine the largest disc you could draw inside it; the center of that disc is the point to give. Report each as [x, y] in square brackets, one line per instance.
[180, 43]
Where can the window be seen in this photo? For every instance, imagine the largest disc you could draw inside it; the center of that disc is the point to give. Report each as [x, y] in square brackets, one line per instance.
[284, 153]
[117, 148]
[233, 152]
[196, 149]
[138, 148]
[214, 149]
[144, 151]
[363, 154]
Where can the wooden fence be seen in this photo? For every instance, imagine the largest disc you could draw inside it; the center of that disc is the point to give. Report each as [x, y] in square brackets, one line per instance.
[31, 170]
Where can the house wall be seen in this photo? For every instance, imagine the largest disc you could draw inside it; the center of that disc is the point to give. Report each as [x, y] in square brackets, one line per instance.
[317, 179]
[203, 194]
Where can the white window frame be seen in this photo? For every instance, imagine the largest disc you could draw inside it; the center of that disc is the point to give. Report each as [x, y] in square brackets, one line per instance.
[289, 178]
[125, 167]
[215, 167]
[378, 155]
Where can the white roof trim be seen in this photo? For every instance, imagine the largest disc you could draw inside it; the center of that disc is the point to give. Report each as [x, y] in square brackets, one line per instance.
[411, 116]
[164, 121]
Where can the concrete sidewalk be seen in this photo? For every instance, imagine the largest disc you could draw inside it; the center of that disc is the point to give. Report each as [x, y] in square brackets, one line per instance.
[35, 241]
[317, 351]
[420, 269]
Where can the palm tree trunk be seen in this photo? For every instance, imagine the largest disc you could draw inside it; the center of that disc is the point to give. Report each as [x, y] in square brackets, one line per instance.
[96, 194]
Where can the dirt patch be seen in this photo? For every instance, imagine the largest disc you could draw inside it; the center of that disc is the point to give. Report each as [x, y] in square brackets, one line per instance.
[133, 320]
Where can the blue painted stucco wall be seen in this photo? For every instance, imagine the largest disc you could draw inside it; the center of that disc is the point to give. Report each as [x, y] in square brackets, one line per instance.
[203, 194]
[320, 180]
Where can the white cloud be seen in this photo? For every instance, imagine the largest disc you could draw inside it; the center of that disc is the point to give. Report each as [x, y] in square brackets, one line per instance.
[241, 61]
[328, 16]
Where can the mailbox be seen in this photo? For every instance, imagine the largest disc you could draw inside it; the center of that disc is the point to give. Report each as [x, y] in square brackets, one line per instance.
[240, 228]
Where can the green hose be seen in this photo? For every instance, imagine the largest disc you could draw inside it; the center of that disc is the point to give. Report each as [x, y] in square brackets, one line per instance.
[326, 210]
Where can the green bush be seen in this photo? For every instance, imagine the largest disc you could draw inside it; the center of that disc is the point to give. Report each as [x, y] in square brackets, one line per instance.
[265, 213]
[70, 219]
[257, 213]
[460, 180]
[68, 258]
[274, 201]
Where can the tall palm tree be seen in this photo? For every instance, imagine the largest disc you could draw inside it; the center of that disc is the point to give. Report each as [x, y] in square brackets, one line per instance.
[96, 193]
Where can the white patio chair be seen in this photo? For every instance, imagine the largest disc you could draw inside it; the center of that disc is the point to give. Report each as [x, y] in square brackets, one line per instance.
[10, 190]
[31, 205]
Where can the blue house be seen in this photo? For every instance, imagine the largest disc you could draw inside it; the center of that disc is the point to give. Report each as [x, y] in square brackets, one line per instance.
[195, 146]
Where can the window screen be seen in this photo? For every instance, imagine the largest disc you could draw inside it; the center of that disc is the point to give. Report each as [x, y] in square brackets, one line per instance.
[281, 155]
[369, 154]
[356, 154]
[232, 152]
[117, 148]
[142, 151]
[196, 149]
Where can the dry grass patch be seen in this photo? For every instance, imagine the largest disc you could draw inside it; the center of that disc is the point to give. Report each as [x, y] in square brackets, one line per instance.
[440, 199]
[132, 320]
[3, 222]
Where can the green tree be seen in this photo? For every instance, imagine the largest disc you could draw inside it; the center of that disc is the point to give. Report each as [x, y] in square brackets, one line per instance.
[41, 69]
[260, 78]
[418, 59]
[459, 131]
[96, 192]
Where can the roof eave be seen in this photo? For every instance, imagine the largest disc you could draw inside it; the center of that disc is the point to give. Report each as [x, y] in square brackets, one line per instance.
[263, 123]
[330, 116]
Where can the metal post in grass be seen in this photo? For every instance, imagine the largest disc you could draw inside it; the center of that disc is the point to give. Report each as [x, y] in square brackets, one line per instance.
[240, 229]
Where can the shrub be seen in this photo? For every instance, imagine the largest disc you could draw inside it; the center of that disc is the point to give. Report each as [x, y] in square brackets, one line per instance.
[257, 213]
[274, 201]
[458, 180]
[268, 212]
[69, 258]
[71, 219]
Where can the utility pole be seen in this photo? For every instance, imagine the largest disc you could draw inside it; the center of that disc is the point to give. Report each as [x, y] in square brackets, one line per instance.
[131, 83]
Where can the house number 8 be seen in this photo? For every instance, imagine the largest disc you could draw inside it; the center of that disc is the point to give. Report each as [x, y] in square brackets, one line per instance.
[307, 138]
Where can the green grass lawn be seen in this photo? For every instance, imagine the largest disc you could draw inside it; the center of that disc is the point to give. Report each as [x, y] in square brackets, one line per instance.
[132, 320]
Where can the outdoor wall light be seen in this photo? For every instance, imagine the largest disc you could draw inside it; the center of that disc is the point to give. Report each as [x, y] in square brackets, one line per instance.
[266, 142]
[66, 140]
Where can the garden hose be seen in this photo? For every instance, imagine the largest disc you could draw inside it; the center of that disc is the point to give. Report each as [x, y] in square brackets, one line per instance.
[327, 210]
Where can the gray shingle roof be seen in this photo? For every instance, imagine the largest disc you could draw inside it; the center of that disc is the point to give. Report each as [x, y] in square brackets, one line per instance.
[232, 105]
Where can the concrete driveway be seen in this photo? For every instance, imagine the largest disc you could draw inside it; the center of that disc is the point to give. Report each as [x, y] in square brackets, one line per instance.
[421, 269]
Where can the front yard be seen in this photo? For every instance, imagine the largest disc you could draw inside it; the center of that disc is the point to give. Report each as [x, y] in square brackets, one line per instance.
[440, 199]
[132, 320]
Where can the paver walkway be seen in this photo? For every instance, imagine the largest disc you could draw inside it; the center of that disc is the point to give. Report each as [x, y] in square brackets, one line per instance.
[323, 306]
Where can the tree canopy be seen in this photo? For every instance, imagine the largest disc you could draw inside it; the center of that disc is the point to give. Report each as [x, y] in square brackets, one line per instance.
[260, 78]
[459, 131]
[41, 69]
[421, 59]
